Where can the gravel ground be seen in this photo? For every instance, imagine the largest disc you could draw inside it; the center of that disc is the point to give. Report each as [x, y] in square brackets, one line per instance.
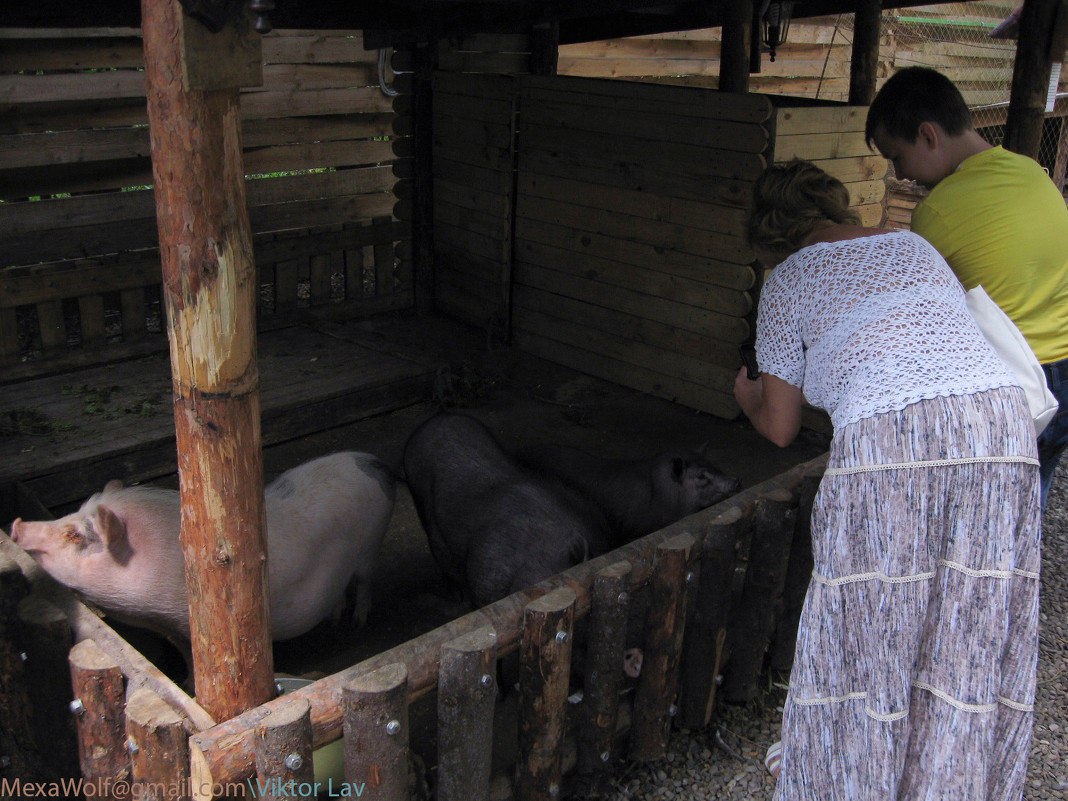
[725, 761]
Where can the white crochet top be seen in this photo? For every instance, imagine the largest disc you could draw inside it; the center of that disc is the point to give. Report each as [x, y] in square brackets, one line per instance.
[870, 325]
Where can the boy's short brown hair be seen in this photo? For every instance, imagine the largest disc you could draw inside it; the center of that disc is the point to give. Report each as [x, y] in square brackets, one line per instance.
[912, 96]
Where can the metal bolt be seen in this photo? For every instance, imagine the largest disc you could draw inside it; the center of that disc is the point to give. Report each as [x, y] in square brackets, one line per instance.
[294, 762]
[554, 790]
[77, 707]
[622, 598]
[5, 762]
[719, 679]
[605, 756]
[673, 711]
[561, 637]
[486, 680]
[132, 746]
[690, 577]
[23, 656]
[393, 728]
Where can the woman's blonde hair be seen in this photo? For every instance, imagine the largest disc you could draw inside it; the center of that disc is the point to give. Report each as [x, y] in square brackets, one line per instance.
[789, 202]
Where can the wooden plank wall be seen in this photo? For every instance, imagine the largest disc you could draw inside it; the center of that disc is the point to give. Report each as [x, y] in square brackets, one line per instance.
[630, 262]
[832, 137]
[814, 62]
[78, 238]
[474, 152]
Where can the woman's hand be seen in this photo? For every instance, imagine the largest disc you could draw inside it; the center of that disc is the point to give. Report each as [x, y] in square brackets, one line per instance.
[772, 406]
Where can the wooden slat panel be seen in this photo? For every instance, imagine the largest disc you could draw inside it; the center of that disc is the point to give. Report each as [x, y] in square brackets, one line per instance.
[714, 271]
[639, 97]
[829, 145]
[653, 282]
[714, 400]
[717, 326]
[693, 344]
[636, 229]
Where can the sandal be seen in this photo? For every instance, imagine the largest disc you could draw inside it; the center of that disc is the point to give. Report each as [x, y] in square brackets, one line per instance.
[773, 758]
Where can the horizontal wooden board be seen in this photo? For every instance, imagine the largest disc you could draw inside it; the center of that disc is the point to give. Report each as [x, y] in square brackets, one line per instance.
[717, 326]
[719, 134]
[720, 273]
[491, 87]
[491, 226]
[695, 184]
[625, 351]
[851, 170]
[828, 145]
[634, 153]
[681, 211]
[622, 96]
[492, 180]
[460, 239]
[817, 119]
[655, 283]
[627, 326]
[609, 223]
[714, 400]
[474, 109]
[474, 198]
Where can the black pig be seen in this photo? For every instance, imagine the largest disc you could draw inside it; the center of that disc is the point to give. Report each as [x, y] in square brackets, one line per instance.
[636, 496]
[494, 527]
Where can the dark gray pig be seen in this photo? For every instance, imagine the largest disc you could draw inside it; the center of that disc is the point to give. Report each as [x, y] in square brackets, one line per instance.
[636, 496]
[494, 527]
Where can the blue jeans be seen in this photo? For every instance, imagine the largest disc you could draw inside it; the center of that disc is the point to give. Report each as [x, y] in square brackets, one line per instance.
[1052, 441]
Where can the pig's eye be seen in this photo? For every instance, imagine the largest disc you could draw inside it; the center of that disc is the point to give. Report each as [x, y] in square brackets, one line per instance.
[74, 536]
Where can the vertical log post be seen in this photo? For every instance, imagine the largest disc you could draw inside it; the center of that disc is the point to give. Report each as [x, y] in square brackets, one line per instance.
[17, 742]
[864, 62]
[209, 284]
[376, 733]
[158, 746]
[100, 714]
[544, 670]
[665, 625]
[284, 762]
[1041, 41]
[734, 49]
[754, 621]
[610, 598]
[46, 639]
[706, 629]
[466, 696]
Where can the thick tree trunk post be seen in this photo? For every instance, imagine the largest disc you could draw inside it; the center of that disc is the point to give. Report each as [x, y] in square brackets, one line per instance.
[100, 714]
[544, 670]
[284, 764]
[734, 48]
[706, 630]
[466, 696]
[46, 638]
[209, 281]
[604, 676]
[1040, 43]
[158, 746]
[376, 734]
[752, 626]
[665, 624]
[864, 64]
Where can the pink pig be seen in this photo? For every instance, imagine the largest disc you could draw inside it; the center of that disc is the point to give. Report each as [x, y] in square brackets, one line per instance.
[325, 522]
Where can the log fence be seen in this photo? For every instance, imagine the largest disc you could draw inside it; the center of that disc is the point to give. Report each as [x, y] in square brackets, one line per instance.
[709, 594]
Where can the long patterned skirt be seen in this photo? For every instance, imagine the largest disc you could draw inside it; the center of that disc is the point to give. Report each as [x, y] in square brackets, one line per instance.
[914, 673]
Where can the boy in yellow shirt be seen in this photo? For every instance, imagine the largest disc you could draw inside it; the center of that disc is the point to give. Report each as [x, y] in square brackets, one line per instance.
[994, 215]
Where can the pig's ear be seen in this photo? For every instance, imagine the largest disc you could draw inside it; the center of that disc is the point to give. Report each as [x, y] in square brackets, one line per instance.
[113, 485]
[112, 530]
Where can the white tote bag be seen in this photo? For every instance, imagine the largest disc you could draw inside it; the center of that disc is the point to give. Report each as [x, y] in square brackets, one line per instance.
[1002, 333]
